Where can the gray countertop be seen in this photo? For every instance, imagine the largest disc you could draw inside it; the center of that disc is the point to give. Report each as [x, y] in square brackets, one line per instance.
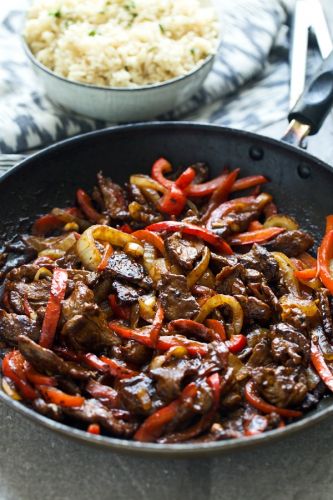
[39, 465]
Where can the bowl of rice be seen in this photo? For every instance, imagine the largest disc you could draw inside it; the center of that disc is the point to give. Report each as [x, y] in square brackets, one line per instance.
[121, 60]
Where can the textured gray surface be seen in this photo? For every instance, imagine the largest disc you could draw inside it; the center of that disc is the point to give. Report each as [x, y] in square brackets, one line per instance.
[39, 465]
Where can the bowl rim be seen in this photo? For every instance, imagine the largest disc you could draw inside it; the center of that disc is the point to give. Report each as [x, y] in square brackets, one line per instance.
[154, 86]
[181, 450]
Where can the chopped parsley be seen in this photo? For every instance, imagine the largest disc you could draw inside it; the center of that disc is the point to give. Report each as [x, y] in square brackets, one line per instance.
[57, 13]
[192, 52]
[92, 33]
[162, 28]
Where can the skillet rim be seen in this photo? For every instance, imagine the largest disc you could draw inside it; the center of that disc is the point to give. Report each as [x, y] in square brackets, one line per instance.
[152, 449]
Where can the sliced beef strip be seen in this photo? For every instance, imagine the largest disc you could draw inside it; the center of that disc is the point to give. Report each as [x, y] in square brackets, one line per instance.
[261, 353]
[255, 310]
[260, 259]
[122, 267]
[326, 315]
[183, 251]
[80, 301]
[292, 243]
[281, 386]
[169, 377]
[49, 410]
[14, 325]
[126, 294]
[114, 198]
[36, 293]
[93, 411]
[289, 345]
[229, 280]
[89, 331]
[137, 394]
[136, 353]
[46, 361]
[234, 223]
[175, 297]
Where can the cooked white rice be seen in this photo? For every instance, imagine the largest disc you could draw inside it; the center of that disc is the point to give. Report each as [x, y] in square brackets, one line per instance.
[121, 43]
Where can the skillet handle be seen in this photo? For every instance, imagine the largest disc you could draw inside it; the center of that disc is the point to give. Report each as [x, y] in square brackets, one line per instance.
[316, 101]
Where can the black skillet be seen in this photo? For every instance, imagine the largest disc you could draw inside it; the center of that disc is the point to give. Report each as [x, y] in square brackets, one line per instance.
[301, 184]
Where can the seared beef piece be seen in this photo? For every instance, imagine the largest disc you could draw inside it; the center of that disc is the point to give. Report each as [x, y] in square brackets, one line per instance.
[217, 358]
[80, 301]
[183, 251]
[36, 293]
[202, 172]
[136, 353]
[229, 280]
[92, 411]
[292, 243]
[106, 394]
[25, 273]
[89, 278]
[68, 261]
[126, 294]
[292, 348]
[136, 394]
[89, 331]
[46, 361]
[49, 410]
[175, 297]
[14, 325]
[281, 386]
[326, 315]
[263, 292]
[17, 254]
[102, 289]
[234, 223]
[202, 425]
[204, 398]
[114, 198]
[169, 377]
[260, 259]
[312, 398]
[261, 353]
[217, 262]
[122, 267]
[255, 310]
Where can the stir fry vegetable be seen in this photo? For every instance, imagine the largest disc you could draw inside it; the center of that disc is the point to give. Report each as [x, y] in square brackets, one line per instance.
[169, 310]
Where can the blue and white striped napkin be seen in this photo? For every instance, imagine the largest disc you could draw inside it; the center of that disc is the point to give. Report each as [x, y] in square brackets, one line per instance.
[247, 88]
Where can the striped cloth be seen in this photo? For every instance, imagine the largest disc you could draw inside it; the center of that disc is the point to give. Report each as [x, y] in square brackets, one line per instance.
[247, 87]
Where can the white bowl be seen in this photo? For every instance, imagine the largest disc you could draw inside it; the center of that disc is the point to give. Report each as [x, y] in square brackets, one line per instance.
[120, 104]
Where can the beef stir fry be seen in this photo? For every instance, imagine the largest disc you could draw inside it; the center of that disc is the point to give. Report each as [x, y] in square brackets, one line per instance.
[168, 310]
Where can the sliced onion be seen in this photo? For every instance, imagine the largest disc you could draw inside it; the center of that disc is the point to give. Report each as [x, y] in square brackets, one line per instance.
[146, 182]
[287, 269]
[133, 249]
[86, 247]
[308, 307]
[279, 220]
[9, 390]
[42, 272]
[52, 253]
[64, 242]
[223, 300]
[199, 269]
[155, 267]
[147, 306]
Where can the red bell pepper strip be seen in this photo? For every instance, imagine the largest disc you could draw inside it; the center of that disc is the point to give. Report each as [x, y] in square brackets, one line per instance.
[126, 228]
[173, 201]
[185, 178]
[60, 398]
[325, 255]
[108, 251]
[306, 274]
[53, 308]
[256, 236]
[164, 342]
[94, 429]
[255, 225]
[329, 223]
[93, 361]
[200, 232]
[218, 327]
[320, 365]
[153, 427]
[13, 368]
[215, 383]
[236, 343]
[86, 206]
[121, 312]
[46, 224]
[220, 194]
[253, 398]
[160, 167]
[192, 328]
[37, 378]
[230, 206]
[118, 370]
[157, 325]
[207, 188]
[152, 238]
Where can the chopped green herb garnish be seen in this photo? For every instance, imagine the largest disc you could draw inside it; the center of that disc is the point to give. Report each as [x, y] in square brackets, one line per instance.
[92, 33]
[57, 13]
[162, 28]
[192, 52]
